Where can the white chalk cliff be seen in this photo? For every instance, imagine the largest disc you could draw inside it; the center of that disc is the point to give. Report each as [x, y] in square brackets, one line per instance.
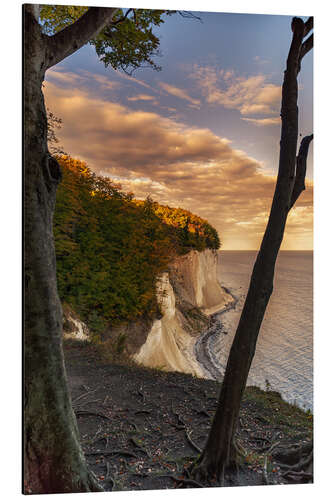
[187, 293]
[73, 327]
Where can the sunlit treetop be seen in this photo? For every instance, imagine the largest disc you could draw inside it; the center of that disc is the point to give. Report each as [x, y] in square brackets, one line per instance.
[127, 43]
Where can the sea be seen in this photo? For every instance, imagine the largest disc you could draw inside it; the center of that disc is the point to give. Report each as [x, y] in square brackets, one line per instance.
[284, 355]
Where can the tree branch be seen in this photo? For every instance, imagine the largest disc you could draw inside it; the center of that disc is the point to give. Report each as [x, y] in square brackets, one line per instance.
[73, 37]
[308, 26]
[122, 19]
[33, 9]
[299, 184]
[189, 15]
[306, 46]
[293, 61]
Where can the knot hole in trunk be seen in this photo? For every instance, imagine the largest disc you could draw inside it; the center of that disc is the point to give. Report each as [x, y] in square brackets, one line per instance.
[52, 171]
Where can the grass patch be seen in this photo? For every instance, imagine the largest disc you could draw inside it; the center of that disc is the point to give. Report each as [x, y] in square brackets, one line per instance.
[276, 412]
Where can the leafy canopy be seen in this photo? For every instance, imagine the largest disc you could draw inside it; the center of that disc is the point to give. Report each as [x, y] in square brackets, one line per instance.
[127, 43]
[111, 248]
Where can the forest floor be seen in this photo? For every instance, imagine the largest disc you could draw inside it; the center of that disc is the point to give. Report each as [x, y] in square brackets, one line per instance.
[141, 428]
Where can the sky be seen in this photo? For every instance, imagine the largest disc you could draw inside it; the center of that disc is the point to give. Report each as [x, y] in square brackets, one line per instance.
[204, 132]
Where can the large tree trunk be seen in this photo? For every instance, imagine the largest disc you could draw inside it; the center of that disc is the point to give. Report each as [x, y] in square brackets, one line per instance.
[53, 460]
[220, 450]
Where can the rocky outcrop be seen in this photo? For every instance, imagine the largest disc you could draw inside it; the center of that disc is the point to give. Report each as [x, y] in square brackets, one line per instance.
[187, 294]
[194, 280]
[73, 327]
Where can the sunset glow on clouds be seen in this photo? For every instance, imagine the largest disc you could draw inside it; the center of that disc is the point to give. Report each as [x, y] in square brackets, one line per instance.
[158, 142]
[250, 95]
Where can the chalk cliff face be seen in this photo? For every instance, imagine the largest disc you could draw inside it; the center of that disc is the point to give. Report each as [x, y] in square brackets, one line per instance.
[187, 294]
[73, 327]
[194, 279]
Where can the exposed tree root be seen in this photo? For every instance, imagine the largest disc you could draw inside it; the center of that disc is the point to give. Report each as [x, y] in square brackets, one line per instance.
[137, 445]
[112, 452]
[202, 472]
[203, 412]
[142, 394]
[296, 459]
[100, 439]
[213, 472]
[142, 412]
[93, 484]
[298, 475]
[194, 446]
[83, 395]
[274, 445]
[181, 422]
[88, 413]
[108, 476]
[293, 455]
[296, 462]
[303, 464]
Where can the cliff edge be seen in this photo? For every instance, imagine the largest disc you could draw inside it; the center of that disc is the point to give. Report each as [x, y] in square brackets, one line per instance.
[187, 294]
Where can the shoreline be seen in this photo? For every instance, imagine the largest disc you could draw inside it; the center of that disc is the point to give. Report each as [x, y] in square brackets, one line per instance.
[202, 354]
[211, 354]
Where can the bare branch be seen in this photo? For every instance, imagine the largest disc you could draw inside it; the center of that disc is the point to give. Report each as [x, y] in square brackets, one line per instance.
[33, 9]
[297, 27]
[122, 19]
[306, 47]
[299, 184]
[308, 26]
[299, 49]
[73, 37]
[189, 15]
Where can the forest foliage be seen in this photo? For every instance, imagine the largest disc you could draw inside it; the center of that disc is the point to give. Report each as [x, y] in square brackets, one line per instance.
[110, 247]
[127, 43]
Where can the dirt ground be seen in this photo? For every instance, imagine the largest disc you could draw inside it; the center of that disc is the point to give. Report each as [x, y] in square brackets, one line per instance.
[141, 428]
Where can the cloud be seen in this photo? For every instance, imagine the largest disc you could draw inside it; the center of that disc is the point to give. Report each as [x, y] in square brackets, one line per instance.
[262, 122]
[124, 76]
[141, 97]
[103, 81]
[67, 78]
[182, 94]
[82, 79]
[251, 95]
[144, 97]
[176, 164]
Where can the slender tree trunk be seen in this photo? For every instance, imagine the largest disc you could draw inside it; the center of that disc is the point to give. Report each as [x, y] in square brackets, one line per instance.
[53, 460]
[220, 450]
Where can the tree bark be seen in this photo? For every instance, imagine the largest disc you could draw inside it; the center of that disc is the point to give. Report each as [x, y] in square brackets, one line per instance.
[221, 451]
[70, 39]
[53, 459]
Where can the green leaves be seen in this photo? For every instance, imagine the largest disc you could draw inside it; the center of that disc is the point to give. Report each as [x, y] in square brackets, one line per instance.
[54, 18]
[128, 43]
[110, 248]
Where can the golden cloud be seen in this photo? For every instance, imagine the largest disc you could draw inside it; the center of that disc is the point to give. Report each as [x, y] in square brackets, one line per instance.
[252, 95]
[262, 122]
[142, 97]
[177, 165]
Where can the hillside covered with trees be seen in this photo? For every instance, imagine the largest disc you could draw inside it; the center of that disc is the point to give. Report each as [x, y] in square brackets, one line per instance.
[111, 247]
